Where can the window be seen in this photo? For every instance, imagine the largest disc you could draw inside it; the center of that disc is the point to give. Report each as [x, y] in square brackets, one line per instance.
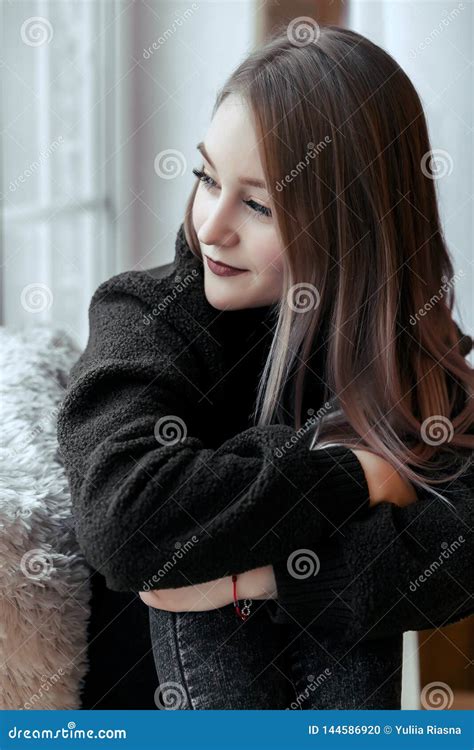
[58, 180]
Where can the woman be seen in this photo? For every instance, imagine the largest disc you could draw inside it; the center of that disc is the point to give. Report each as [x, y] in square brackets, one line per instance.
[315, 188]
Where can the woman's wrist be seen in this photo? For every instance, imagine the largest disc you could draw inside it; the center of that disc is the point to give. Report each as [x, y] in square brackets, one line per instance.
[257, 584]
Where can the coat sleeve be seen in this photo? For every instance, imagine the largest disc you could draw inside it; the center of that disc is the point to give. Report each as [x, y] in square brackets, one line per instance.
[153, 506]
[393, 570]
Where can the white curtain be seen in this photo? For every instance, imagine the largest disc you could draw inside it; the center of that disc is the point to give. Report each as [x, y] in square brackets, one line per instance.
[57, 227]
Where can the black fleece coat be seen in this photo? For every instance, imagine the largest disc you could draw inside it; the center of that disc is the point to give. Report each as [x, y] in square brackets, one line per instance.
[155, 437]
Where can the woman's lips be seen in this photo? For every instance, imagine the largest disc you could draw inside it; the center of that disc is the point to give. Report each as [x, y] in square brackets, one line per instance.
[222, 270]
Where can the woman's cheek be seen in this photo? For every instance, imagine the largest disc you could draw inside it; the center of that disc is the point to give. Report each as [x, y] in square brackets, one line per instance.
[270, 268]
[199, 212]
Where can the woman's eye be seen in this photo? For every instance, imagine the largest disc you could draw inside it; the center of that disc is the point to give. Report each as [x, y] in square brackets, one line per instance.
[206, 180]
[253, 206]
[258, 208]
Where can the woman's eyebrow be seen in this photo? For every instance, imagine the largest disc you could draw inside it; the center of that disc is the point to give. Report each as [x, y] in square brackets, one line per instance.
[242, 180]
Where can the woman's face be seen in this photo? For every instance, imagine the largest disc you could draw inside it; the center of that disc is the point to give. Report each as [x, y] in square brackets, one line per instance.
[234, 221]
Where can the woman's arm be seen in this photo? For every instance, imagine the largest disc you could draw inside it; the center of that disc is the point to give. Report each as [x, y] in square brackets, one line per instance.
[382, 481]
[154, 507]
[406, 566]
[397, 569]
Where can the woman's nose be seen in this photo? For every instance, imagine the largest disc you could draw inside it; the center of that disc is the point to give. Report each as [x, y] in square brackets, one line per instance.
[211, 233]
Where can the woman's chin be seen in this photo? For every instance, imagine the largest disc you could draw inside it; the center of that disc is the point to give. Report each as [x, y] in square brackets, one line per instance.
[224, 304]
[222, 299]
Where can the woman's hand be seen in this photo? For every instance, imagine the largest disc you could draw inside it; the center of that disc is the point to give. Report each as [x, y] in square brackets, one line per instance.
[384, 482]
[198, 598]
[253, 584]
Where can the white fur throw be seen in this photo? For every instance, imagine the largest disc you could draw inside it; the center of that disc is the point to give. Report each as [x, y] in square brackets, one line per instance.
[44, 581]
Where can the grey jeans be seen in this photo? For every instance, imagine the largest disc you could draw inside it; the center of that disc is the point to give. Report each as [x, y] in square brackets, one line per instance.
[212, 660]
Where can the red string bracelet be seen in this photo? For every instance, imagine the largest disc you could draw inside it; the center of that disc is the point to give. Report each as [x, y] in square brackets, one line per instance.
[245, 611]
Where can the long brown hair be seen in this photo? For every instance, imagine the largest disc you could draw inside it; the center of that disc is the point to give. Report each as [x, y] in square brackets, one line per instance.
[346, 154]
